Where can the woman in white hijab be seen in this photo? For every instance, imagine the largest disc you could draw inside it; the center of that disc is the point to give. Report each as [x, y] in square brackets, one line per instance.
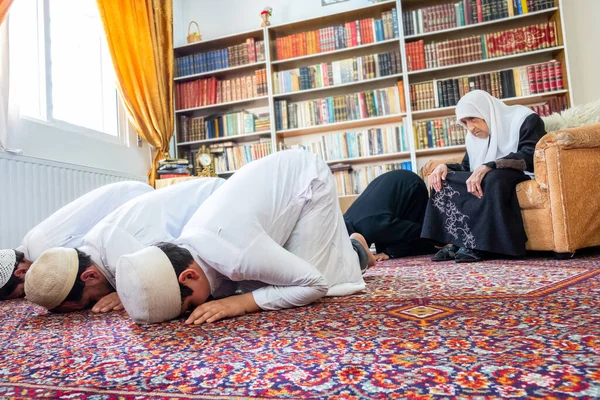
[473, 205]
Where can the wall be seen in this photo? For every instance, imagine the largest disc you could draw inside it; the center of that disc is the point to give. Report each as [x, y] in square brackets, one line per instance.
[582, 27]
[244, 15]
[40, 140]
[581, 18]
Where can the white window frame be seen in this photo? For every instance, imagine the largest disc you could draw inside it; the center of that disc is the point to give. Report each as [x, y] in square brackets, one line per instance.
[125, 134]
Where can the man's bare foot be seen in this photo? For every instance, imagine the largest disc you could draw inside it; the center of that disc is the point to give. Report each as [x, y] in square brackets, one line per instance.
[362, 241]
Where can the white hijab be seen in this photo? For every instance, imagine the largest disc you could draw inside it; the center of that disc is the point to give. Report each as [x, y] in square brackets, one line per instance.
[504, 123]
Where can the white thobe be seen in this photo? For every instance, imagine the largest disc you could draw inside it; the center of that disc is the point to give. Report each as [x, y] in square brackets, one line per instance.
[67, 226]
[276, 225]
[154, 217]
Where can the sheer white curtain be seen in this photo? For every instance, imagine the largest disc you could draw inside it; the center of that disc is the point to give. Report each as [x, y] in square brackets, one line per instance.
[8, 104]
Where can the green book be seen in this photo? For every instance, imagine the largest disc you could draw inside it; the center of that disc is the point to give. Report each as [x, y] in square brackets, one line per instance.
[248, 122]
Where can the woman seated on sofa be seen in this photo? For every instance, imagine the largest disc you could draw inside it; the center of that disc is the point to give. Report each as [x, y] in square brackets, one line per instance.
[473, 205]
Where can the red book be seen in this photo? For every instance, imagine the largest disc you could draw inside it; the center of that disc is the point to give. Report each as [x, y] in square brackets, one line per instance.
[499, 38]
[370, 23]
[559, 76]
[531, 79]
[213, 88]
[551, 76]
[509, 42]
[348, 34]
[546, 77]
[552, 34]
[168, 176]
[547, 109]
[187, 90]
[539, 81]
[304, 43]
[294, 46]
[479, 12]
[207, 93]
[365, 32]
[536, 38]
[251, 50]
[519, 36]
[278, 49]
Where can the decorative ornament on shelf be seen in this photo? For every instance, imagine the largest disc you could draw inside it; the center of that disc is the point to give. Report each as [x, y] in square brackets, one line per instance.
[193, 37]
[265, 14]
[205, 163]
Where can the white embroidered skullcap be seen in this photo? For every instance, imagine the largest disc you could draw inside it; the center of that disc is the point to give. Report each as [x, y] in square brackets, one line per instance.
[51, 277]
[8, 258]
[148, 287]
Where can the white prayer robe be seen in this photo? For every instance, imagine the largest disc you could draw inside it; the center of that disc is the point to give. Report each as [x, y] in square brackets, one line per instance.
[67, 226]
[275, 225]
[154, 217]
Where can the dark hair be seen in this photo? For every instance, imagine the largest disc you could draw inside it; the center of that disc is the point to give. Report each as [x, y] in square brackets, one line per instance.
[76, 292]
[180, 259]
[14, 280]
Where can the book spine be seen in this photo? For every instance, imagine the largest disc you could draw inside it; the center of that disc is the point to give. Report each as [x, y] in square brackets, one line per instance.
[559, 76]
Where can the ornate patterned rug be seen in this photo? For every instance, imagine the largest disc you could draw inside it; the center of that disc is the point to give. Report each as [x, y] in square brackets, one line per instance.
[496, 329]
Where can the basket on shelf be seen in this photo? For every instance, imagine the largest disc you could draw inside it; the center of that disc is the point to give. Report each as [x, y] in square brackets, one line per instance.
[196, 36]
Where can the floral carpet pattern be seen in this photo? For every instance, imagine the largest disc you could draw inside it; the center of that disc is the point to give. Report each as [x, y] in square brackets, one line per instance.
[422, 330]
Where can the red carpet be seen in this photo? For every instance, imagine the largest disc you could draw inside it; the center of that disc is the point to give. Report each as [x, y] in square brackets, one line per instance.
[496, 329]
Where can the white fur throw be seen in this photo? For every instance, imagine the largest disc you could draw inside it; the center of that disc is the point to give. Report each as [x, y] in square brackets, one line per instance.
[580, 115]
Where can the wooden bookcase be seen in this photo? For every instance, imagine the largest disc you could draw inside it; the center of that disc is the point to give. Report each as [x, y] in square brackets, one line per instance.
[303, 135]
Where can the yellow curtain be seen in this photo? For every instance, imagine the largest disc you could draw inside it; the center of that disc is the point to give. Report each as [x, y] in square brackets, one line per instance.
[4, 6]
[140, 39]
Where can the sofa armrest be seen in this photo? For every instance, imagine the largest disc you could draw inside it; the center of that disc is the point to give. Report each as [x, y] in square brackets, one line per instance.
[573, 138]
[428, 168]
[583, 137]
[566, 164]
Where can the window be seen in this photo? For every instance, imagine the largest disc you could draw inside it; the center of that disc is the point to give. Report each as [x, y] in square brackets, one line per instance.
[65, 72]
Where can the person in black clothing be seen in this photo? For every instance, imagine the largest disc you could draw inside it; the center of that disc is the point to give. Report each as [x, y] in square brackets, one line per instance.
[473, 205]
[390, 213]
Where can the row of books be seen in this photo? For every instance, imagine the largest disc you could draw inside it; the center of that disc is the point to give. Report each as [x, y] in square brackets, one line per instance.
[350, 107]
[246, 53]
[467, 12]
[348, 145]
[553, 105]
[338, 72]
[480, 47]
[230, 156]
[516, 82]
[440, 132]
[351, 34]
[221, 125]
[173, 168]
[204, 92]
[350, 181]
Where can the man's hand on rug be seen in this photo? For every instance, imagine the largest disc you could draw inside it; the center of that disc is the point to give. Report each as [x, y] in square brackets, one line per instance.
[381, 257]
[110, 302]
[228, 307]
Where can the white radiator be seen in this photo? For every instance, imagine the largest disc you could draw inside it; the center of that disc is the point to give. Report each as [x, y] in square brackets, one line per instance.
[31, 189]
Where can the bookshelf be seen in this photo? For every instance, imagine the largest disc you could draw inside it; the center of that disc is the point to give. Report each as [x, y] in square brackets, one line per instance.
[308, 73]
